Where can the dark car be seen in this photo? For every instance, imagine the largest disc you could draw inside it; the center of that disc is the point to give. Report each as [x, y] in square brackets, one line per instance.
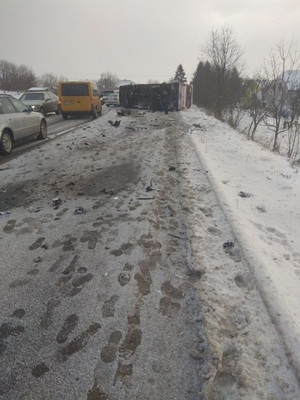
[41, 100]
[18, 121]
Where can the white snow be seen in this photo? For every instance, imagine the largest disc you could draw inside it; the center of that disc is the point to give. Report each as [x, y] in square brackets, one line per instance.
[267, 223]
[17, 95]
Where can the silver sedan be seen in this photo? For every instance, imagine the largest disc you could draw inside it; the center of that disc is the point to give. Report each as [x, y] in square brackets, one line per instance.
[17, 121]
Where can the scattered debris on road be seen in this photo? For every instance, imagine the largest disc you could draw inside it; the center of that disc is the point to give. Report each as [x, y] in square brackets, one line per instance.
[116, 124]
[5, 212]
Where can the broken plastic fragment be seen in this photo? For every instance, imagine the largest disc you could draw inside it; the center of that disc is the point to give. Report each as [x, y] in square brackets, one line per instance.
[57, 201]
[228, 244]
[79, 210]
[244, 194]
[4, 212]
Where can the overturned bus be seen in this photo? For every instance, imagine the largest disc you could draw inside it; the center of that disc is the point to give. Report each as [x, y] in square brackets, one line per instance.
[151, 96]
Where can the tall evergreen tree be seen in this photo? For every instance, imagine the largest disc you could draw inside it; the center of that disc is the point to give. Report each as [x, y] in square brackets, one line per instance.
[204, 86]
[233, 89]
[180, 74]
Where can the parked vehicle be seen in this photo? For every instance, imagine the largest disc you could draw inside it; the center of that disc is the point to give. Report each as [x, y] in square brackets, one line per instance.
[79, 98]
[113, 98]
[41, 100]
[18, 121]
[104, 95]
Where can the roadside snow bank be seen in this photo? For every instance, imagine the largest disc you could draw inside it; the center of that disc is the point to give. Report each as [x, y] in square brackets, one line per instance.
[258, 191]
[16, 95]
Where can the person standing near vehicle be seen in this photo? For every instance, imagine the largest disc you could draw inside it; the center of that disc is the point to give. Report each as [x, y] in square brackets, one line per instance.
[165, 101]
[155, 101]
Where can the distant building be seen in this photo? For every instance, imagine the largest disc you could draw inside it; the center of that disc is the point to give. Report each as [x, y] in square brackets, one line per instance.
[285, 87]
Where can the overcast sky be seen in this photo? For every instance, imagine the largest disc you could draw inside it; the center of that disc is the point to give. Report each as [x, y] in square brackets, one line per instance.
[136, 39]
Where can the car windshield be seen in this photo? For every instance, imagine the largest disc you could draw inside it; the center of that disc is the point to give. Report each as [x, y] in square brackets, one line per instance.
[32, 96]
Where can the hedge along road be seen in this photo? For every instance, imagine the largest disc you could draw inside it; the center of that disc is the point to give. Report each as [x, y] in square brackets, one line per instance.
[115, 284]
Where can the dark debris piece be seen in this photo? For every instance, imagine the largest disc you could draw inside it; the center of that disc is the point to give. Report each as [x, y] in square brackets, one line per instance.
[57, 201]
[79, 210]
[107, 191]
[115, 124]
[5, 212]
[229, 244]
[244, 194]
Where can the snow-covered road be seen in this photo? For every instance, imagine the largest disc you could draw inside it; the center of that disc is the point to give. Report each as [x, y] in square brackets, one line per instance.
[115, 280]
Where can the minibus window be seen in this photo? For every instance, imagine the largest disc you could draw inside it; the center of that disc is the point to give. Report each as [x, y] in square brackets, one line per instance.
[75, 89]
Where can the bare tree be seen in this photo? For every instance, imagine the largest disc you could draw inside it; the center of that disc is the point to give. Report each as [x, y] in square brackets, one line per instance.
[107, 81]
[48, 79]
[293, 135]
[224, 54]
[293, 141]
[51, 81]
[25, 78]
[254, 104]
[278, 78]
[13, 77]
[8, 72]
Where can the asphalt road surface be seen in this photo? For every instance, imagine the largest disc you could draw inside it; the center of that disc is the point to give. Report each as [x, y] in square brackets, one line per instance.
[114, 281]
[56, 125]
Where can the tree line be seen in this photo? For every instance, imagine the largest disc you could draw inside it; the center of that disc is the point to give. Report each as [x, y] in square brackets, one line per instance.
[271, 97]
[18, 78]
